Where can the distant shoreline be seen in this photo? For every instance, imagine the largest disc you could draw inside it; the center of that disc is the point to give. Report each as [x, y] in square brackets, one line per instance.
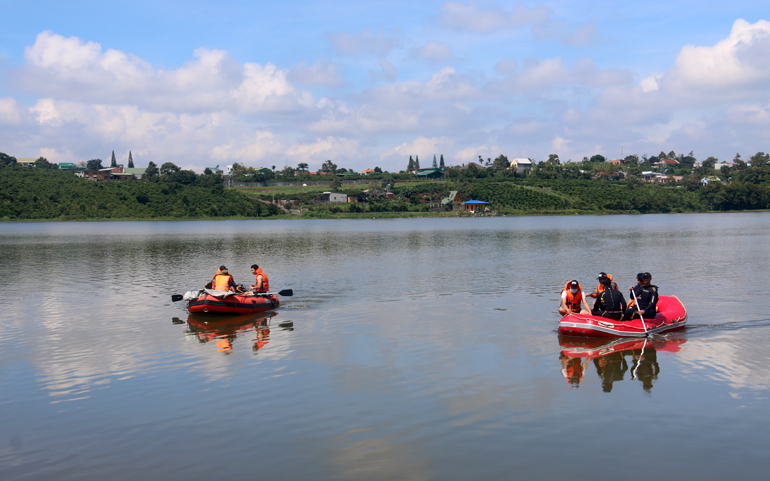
[378, 215]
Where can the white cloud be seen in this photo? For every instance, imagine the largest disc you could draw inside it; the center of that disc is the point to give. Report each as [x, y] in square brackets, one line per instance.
[471, 154]
[9, 111]
[262, 146]
[735, 67]
[68, 68]
[470, 18]
[422, 147]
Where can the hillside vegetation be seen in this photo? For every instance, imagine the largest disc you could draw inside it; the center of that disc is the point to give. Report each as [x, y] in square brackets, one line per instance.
[35, 194]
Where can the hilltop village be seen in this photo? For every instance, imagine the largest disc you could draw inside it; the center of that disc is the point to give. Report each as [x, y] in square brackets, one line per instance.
[668, 182]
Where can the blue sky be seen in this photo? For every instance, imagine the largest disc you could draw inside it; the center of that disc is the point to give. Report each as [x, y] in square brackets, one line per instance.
[369, 83]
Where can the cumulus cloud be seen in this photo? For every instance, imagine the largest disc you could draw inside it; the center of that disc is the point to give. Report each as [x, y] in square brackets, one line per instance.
[366, 42]
[69, 68]
[471, 18]
[88, 101]
[735, 67]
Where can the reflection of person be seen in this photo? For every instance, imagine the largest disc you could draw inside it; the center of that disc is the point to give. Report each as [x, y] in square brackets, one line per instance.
[263, 337]
[610, 369]
[261, 282]
[572, 369]
[600, 288]
[610, 303]
[645, 366]
[222, 280]
[571, 299]
[646, 298]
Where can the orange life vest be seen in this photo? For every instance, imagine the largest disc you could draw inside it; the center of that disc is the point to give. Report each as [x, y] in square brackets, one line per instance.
[221, 282]
[573, 300]
[265, 282]
[612, 283]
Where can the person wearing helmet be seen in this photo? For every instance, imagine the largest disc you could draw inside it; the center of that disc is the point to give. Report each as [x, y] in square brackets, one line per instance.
[572, 299]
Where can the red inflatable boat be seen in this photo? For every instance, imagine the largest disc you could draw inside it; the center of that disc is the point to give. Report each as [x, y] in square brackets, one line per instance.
[233, 304]
[671, 316]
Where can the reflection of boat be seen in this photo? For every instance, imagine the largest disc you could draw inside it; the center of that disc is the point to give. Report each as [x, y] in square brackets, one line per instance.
[609, 358]
[592, 348]
[247, 303]
[225, 329]
[671, 316]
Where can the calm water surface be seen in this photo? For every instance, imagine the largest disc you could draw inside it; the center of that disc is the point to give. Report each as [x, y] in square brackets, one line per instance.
[418, 349]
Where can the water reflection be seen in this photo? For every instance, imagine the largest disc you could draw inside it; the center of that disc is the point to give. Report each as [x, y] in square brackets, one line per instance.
[224, 330]
[609, 358]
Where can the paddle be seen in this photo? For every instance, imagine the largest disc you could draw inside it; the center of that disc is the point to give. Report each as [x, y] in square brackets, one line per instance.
[284, 293]
[633, 294]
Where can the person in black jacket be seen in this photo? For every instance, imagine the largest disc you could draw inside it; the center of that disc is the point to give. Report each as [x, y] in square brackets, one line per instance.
[610, 303]
[646, 298]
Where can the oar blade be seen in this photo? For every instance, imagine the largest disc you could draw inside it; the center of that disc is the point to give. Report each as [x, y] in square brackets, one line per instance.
[176, 297]
[286, 293]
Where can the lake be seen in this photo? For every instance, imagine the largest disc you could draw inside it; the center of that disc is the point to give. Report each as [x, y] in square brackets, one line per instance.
[417, 349]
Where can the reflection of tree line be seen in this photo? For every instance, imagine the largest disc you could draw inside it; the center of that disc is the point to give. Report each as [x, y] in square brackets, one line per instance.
[613, 360]
[225, 330]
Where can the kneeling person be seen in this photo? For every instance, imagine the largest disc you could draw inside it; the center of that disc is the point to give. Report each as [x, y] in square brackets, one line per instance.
[610, 303]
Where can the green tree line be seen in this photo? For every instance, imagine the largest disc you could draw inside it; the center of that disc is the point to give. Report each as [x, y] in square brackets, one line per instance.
[31, 193]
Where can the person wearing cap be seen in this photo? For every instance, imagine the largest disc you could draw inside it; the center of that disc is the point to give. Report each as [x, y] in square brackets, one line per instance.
[595, 294]
[610, 303]
[571, 299]
[646, 298]
[222, 280]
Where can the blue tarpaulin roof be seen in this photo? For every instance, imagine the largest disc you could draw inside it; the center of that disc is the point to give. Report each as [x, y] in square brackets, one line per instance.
[475, 202]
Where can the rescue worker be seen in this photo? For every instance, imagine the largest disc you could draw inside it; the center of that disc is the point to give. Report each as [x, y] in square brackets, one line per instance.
[222, 280]
[571, 299]
[646, 298]
[262, 283]
[595, 294]
[610, 303]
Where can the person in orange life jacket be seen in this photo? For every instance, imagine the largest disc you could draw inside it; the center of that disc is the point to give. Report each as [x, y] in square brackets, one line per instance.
[646, 296]
[262, 283]
[610, 303]
[571, 299]
[222, 280]
[595, 294]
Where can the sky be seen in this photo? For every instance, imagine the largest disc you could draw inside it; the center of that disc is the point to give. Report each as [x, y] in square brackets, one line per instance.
[365, 84]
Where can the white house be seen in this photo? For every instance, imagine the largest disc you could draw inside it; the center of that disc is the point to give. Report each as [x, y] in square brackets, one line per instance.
[333, 197]
[520, 164]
